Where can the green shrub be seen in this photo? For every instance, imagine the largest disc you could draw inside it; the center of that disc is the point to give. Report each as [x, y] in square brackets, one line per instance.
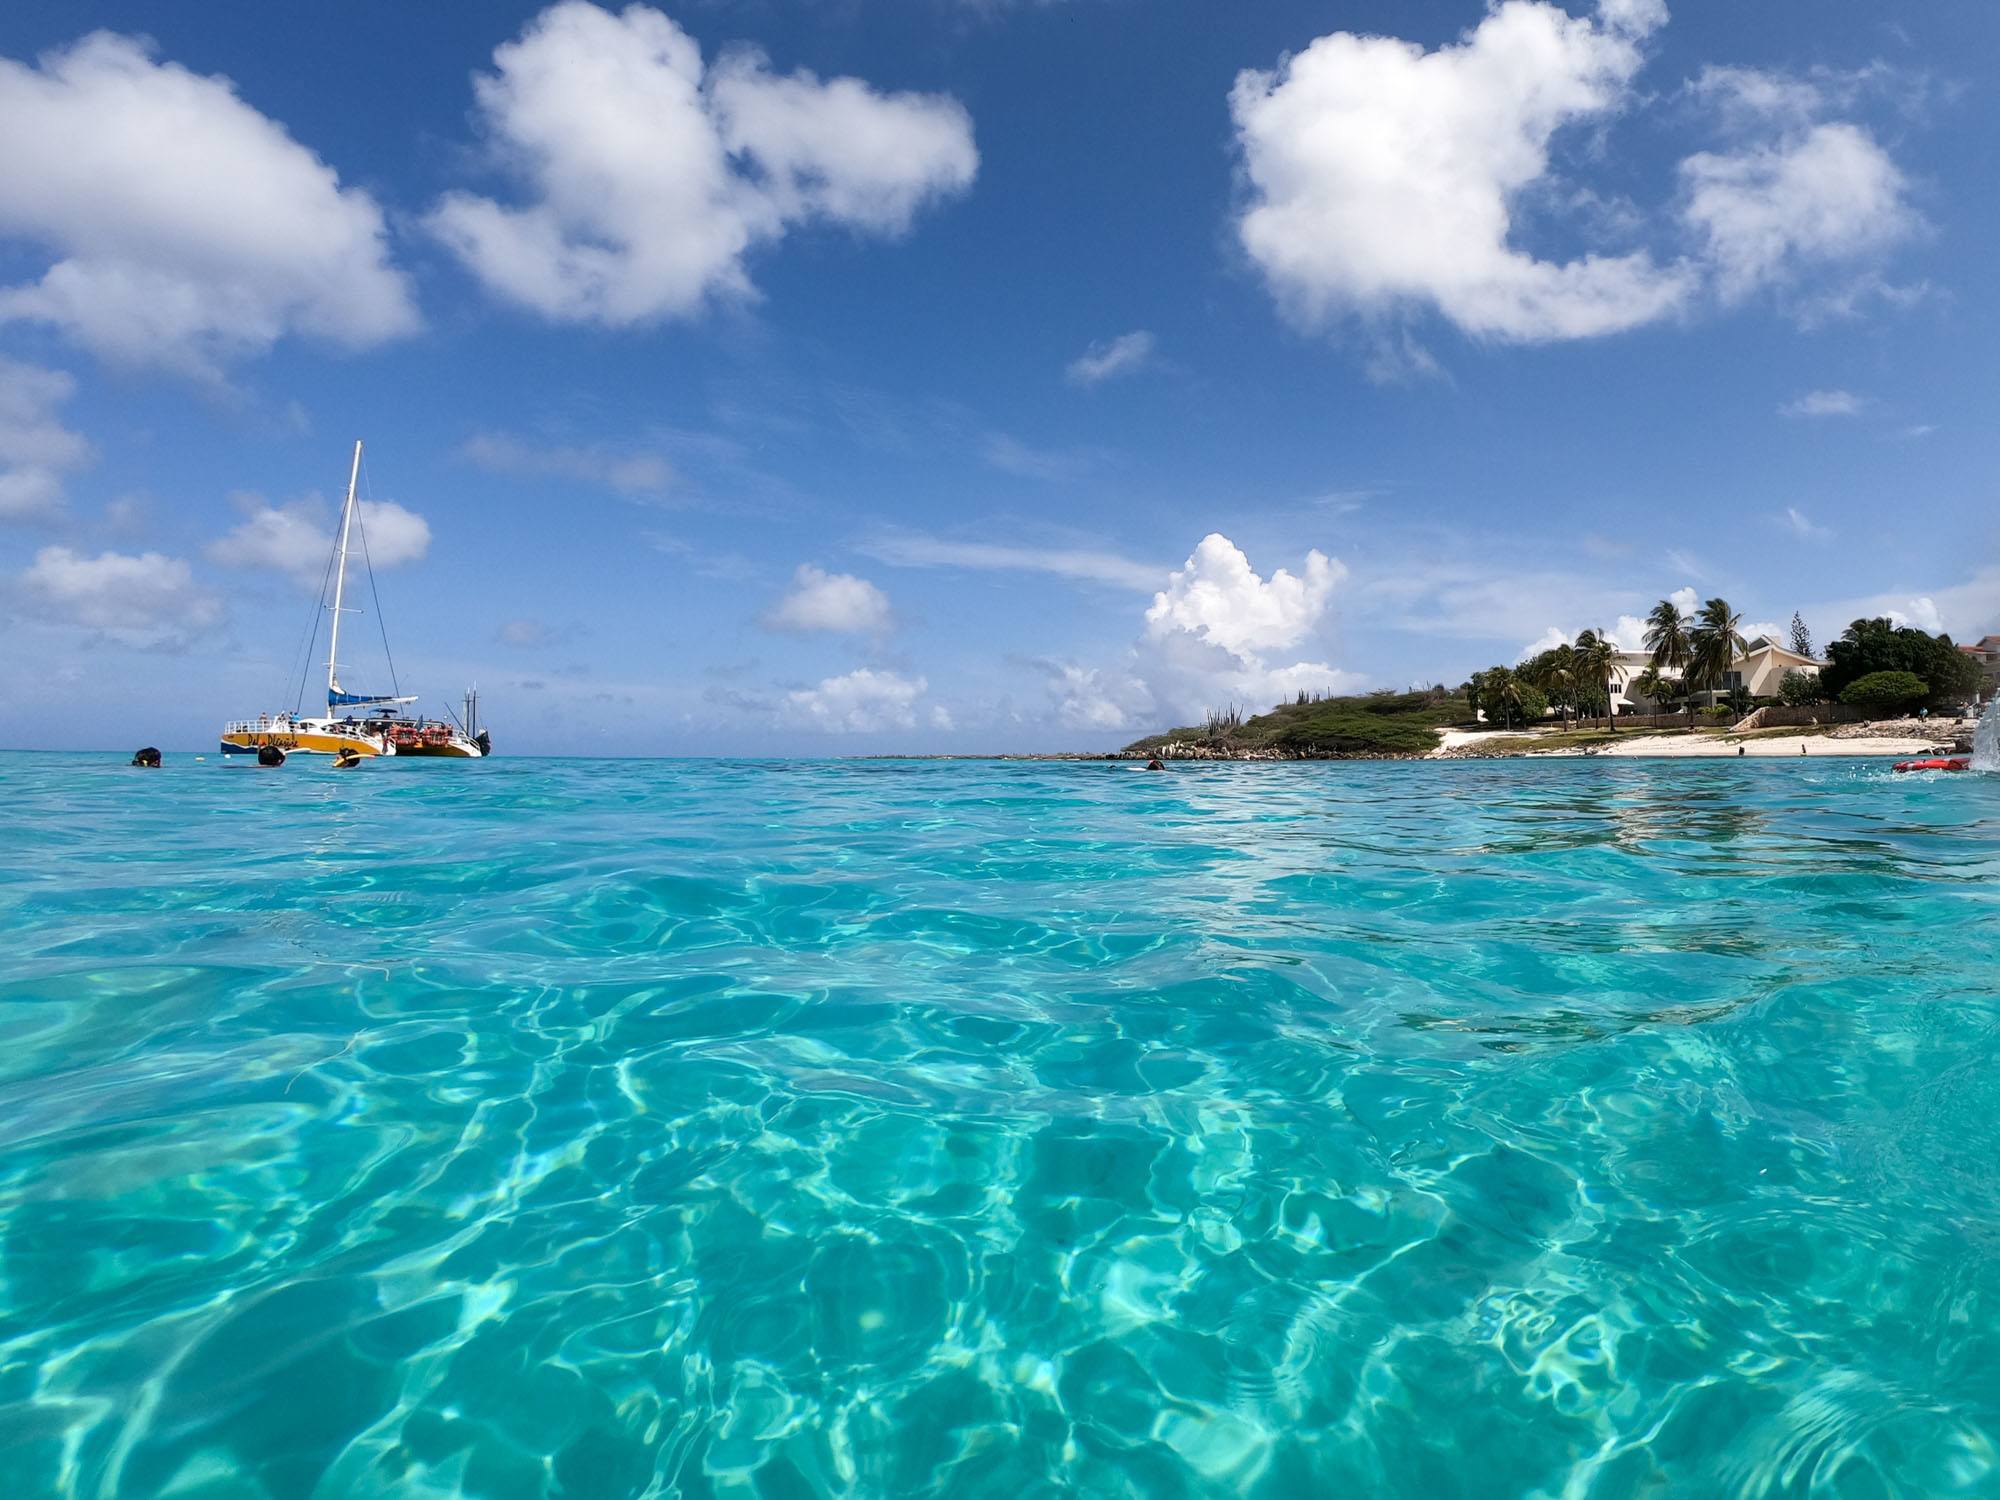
[1798, 689]
[1381, 723]
[1341, 731]
[1886, 692]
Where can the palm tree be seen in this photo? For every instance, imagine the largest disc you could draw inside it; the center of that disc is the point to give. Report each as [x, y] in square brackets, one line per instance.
[1554, 672]
[1592, 659]
[1651, 686]
[1667, 639]
[1713, 644]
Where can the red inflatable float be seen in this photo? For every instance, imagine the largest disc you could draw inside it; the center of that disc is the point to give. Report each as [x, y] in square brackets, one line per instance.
[1936, 763]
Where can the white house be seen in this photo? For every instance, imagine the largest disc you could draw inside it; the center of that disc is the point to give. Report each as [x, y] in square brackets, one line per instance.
[1758, 671]
[1987, 653]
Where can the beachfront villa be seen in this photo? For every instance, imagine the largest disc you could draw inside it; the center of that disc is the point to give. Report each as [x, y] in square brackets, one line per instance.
[1986, 651]
[1758, 671]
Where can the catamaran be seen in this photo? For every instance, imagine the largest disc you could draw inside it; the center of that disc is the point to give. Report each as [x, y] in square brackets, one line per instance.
[364, 723]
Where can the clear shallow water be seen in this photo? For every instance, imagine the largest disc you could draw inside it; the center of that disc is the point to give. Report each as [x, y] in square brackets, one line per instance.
[887, 1129]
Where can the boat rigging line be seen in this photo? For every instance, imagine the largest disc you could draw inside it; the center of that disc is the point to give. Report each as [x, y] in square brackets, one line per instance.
[381, 621]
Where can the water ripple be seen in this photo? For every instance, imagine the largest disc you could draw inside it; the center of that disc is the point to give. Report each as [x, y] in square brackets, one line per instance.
[536, 1129]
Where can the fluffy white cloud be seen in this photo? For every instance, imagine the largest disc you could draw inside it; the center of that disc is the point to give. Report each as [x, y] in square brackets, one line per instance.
[148, 600]
[650, 177]
[1548, 640]
[836, 602]
[1828, 193]
[35, 448]
[297, 539]
[186, 227]
[1968, 609]
[627, 473]
[1823, 404]
[1922, 612]
[1217, 597]
[1208, 631]
[862, 702]
[1121, 356]
[1384, 177]
[289, 539]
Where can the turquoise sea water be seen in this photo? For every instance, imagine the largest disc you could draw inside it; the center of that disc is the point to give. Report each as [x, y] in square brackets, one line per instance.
[596, 1129]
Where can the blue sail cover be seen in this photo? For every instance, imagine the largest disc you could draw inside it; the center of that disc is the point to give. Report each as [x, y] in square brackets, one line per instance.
[345, 700]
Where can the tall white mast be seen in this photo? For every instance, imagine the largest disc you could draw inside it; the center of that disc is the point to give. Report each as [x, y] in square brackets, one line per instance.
[340, 582]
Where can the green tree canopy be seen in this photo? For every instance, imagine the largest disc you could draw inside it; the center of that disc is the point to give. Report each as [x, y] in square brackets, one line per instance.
[1508, 697]
[1886, 692]
[1880, 645]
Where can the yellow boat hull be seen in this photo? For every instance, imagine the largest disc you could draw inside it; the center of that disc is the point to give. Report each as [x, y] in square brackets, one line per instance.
[299, 740]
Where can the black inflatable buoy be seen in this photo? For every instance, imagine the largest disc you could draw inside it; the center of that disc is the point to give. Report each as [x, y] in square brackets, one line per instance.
[148, 757]
[270, 755]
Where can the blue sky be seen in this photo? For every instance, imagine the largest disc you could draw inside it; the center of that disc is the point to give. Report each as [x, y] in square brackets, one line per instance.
[825, 378]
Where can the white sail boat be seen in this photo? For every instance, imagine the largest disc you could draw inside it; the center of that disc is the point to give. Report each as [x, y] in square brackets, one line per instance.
[365, 723]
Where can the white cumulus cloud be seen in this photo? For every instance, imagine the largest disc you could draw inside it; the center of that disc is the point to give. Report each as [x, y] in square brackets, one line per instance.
[35, 448]
[1766, 211]
[297, 539]
[649, 177]
[863, 701]
[1209, 632]
[1548, 640]
[1921, 612]
[149, 601]
[838, 603]
[184, 227]
[1217, 597]
[1385, 177]
[1121, 356]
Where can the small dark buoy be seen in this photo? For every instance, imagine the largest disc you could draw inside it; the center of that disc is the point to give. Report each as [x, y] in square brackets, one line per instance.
[148, 757]
[1154, 765]
[270, 755]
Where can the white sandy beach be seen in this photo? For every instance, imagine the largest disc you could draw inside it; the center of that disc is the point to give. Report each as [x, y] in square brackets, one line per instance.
[1641, 743]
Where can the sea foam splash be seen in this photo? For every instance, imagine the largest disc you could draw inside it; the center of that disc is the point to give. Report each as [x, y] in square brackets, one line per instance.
[1986, 738]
